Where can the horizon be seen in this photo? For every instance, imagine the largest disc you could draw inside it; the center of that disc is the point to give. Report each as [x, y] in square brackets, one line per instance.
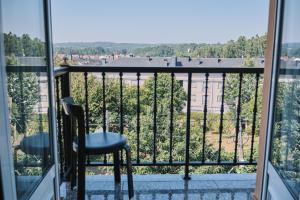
[156, 43]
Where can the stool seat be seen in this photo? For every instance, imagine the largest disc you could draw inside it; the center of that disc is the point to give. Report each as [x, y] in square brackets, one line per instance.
[102, 142]
[37, 144]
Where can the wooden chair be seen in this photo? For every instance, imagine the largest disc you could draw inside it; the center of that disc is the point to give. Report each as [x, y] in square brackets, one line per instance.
[93, 144]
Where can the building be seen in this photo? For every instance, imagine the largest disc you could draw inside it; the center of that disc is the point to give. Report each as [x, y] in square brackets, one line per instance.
[215, 81]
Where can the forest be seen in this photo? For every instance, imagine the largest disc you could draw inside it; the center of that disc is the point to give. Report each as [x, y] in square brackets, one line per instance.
[241, 47]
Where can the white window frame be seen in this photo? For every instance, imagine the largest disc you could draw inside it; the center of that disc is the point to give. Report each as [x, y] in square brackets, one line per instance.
[6, 160]
[49, 186]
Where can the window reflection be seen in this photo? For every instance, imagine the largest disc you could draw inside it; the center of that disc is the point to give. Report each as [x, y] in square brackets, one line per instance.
[27, 82]
[286, 131]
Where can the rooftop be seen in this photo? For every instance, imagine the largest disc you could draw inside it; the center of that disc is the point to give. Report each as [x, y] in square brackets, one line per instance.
[181, 62]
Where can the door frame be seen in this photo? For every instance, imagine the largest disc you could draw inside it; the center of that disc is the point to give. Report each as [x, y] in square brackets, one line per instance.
[49, 185]
[267, 177]
[51, 91]
[6, 162]
[263, 137]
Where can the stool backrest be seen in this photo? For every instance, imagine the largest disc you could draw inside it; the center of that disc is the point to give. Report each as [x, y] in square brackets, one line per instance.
[76, 114]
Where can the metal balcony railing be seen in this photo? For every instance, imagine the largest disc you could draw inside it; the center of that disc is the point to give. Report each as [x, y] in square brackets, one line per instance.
[63, 76]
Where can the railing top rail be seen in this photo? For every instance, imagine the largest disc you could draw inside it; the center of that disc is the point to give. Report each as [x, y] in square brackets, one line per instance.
[58, 71]
[115, 69]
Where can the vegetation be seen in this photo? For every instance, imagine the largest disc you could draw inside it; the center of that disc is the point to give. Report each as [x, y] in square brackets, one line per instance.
[83, 51]
[242, 47]
[23, 91]
[22, 87]
[24, 46]
[163, 122]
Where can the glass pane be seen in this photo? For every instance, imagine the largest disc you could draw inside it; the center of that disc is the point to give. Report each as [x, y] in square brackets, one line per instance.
[24, 33]
[27, 81]
[285, 154]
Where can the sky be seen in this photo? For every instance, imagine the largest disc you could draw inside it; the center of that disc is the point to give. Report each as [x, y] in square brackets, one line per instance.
[140, 21]
[23, 17]
[157, 21]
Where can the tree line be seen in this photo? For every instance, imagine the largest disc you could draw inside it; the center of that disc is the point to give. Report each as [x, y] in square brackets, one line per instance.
[23, 45]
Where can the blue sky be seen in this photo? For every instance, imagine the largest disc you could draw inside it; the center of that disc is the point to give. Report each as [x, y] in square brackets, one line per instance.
[23, 17]
[158, 21]
[140, 21]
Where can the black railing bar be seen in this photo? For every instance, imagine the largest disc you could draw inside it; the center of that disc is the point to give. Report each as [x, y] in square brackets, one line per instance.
[221, 117]
[138, 110]
[121, 104]
[238, 115]
[175, 163]
[154, 117]
[205, 118]
[86, 95]
[217, 70]
[26, 68]
[59, 71]
[188, 125]
[104, 108]
[171, 119]
[254, 117]
[121, 110]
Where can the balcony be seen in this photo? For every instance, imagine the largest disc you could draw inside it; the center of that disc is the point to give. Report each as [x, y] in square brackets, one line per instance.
[183, 146]
[162, 186]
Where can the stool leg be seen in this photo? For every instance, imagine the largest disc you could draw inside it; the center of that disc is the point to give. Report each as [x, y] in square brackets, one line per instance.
[117, 167]
[81, 177]
[129, 172]
[73, 170]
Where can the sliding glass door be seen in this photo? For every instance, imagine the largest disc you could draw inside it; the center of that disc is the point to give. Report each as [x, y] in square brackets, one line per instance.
[283, 162]
[28, 58]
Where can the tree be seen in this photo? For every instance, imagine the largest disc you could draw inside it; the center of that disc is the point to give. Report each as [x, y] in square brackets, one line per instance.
[286, 137]
[23, 89]
[247, 93]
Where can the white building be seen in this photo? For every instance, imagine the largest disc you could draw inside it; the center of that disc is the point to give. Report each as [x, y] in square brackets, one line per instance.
[215, 81]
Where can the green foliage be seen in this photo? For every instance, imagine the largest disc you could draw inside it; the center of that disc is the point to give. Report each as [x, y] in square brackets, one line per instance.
[162, 122]
[23, 94]
[23, 89]
[242, 47]
[247, 94]
[82, 51]
[286, 138]
[162, 50]
[23, 45]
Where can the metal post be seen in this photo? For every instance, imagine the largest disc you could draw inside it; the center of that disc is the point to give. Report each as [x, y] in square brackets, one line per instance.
[188, 124]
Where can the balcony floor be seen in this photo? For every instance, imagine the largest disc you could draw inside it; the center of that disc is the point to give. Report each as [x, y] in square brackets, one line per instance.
[171, 187]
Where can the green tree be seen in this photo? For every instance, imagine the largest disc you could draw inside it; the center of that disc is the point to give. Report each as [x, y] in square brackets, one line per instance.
[23, 89]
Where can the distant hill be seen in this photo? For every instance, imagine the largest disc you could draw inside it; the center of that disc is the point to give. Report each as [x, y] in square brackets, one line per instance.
[109, 46]
[139, 49]
[242, 47]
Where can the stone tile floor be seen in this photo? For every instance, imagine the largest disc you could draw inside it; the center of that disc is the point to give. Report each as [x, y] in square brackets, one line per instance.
[169, 187]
